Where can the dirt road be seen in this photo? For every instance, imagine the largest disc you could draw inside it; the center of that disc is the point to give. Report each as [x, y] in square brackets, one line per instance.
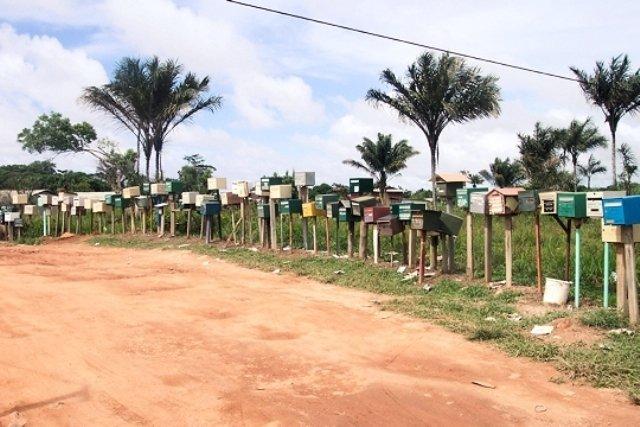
[103, 336]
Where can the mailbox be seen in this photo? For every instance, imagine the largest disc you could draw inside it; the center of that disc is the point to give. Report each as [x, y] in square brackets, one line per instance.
[478, 203]
[405, 209]
[290, 206]
[265, 183]
[389, 225]
[120, 203]
[55, 201]
[359, 204]
[74, 210]
[216, 183]
[100, 207]
[281, 191]
[210, 208]
[65, 207]
[67, 199]
[594, 201]
[572, 205]
[427, 220]
[461, 198]
[263, 210]
[87, 204]
[613, 233]
[44, 200]
[11, 216]
[528, 201]
[548, 203]
[174, 187]
[450, 224]
[158, 189]
[373, 213]
[311, 210]
[130, 192]
[228, 198]
[29, 209]
[360, 185]
[205, 198]
[346, 215]
[503, 201]
[322, 200]
[19, 199]
[109, 199]
[241, 189]
[621, 210]
[189, 197]
[333, 210]
[146, 188]
[143, 202]
[305, 179]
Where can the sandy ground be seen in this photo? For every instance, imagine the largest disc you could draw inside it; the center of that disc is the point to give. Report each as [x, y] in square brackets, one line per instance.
[104, 336]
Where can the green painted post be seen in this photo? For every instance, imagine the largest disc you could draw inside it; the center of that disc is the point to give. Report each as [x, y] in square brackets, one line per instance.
[577, 269]
[605, 296]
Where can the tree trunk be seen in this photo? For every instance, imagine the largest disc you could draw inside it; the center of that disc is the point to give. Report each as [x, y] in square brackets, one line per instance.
[614, 169]
[157, 165]
[138, 153]
[575, 174]
[433, 174]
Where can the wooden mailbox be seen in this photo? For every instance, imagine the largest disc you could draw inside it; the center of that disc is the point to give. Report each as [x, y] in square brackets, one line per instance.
[241, 188]
[258, 191]
[594, 201]
[290, 206]
[88, 204]
[613, 233]
[373, 213]
[359, 204]
[503, 201]
[19, 199]
[548, 203]
[29, 209]
[305, 179]
[621, 210]
[528, 201]
[158, 189]
[572, 205]
[360, 185]
[210, 208]
[100, 207]
[130, 192]
[427, 220]
[389, 225]
[322, 200]
[310, 210]
[189, 197]
[265, 183]
[216, 183]
[450, 224]
[448, 183]
[146, 188]
[280, 191]
[229, 198]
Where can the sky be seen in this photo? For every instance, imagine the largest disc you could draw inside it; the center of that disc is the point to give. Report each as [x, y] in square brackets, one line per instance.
[293, 92]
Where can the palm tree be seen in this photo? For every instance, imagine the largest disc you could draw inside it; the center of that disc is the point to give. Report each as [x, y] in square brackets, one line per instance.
[437, 92]
[540, 159]
[150, 99]
[382, 159]
[503, 173]
[592, 167]
[578, 138]
[616, 90]
[474, 178]
[629, 166]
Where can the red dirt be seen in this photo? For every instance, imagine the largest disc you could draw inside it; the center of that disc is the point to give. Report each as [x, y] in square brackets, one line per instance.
[104, 336]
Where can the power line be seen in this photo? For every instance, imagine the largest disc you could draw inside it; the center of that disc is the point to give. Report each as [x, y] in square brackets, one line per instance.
[404, 41]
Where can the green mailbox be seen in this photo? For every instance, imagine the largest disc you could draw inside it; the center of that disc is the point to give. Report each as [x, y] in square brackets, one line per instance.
[346, 215]
[145, 188]
[572, 205]
[461, 198]
[426, 220]
[360, 185]
[450, 224]
[263, 210]
[120, 203]
[405, 209]
[174, 187]
[322, 200]
[290, 206]
[265, 183]
[109, 199]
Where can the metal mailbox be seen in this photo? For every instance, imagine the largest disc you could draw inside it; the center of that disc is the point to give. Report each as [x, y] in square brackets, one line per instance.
[265, 183]
[158, 189]
[450, 224]
[263, 210]
[146, 188]
[478, 203]
[621, 210]
[120, 203]
[310, 210]
[241, 188]
[613, 233]
[333, 210]
[360, 185]
[19, 199]
[594, 201]
[427, 220]
[130, 192]
[210, 208]
[305, 179]
[143, 202]
[373, 213]
[406, 209]
[461, 198]
[189, 197]
[290, 206]
[201, 199]
[528, 201]
[11, 216]
[359, 204]
[216, 183]
[548, 202]
[572, 205]
[109, 199]
[322, 200]
[448, 189]
[389, 225]
[346, 215]
[174, 187]
[228, 198]
[29, 209]
[280, 191]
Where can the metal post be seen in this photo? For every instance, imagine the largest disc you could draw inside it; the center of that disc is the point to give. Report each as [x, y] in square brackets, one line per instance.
[577, 267]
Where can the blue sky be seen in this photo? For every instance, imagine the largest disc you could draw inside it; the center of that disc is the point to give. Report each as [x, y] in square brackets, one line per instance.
[293, 91]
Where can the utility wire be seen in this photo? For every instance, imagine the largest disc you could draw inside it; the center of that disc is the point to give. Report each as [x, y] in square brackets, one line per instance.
[404, 41]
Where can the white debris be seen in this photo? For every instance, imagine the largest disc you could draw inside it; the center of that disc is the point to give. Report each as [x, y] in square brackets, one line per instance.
[96, 244]
[410, 276]
[514, 317]
[338, 272]
[539, 330]
[490, 319]
[276, 271]
[402, 269]
[286, 248]
[254, 249]
[621, 331]
[427, 288]
[184, 245]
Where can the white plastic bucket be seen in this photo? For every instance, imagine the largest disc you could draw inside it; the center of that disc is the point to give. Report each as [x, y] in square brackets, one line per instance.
[556, 291]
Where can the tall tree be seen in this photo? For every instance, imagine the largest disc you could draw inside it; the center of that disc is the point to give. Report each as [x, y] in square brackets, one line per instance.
[437, 92]
[592, 167]
[382, 159]
[616, 90]
[503, 173]
[540, 157]
[579, 138]
[151, 98]
[119, 169]
[195, 173]
[629, 166]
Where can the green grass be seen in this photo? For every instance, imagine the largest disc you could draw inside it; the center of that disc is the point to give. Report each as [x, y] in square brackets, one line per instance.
[471, 309]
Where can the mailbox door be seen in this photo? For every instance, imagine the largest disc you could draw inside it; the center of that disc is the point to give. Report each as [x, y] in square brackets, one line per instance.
[528, 201]
[548, 203]
[461, 198]
[496, 204]
[478, 203]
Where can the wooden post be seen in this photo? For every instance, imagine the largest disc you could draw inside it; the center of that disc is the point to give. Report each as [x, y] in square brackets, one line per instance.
[250, 220]
[113, 221]
[290, 231]
[451, 243]
[133, 219]
[208, 230]
[161, 233]
[234, 233]
[630, 274]
[350, 238]
[64, 214]
[362, 241]
[272, 224]
[470, 265]
[405, 251]
[445, 254]
[488, 248]
[536, 227]
[281, 232]
[58, 221]
[621, 288]
[433, 253]
[376, 243]
[314, 227]
[219, 226]
[189, 222]
[124, 220]
[508, 249]
[202, 226]
[423, 237]
[326, 234]
[243, 230]
[172, 218]
[338, 236]
[411, 249]
[304, 196]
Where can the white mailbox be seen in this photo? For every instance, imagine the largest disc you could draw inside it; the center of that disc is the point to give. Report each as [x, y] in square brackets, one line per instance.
[258, 191]
[594, 201]
[88, 204]
[216, 183]
[305, 179]
[11, 216]
[241, 188]
[29, 209]
[280, 191]
[100, 207]
[189, 197]
[44, 200]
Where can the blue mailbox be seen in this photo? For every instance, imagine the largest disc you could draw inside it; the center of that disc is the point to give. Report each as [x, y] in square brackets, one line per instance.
[210, 208]
[621, 210]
